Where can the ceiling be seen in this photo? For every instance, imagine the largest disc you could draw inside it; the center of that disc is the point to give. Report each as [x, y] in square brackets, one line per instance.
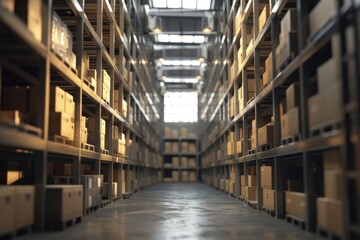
[181, 32]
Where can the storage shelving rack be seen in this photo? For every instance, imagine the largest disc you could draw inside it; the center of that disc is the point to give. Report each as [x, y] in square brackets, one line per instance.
[104, 30]
[168, 156]
[306, 152]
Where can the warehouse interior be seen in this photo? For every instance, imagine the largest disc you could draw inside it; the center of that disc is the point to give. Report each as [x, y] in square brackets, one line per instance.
[179, 119]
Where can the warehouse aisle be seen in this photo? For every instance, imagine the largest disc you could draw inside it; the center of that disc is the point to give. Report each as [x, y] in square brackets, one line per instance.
[179, 211]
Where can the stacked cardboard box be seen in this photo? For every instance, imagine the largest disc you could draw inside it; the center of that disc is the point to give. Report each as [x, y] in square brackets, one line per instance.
[17, 204]
[175, 162]
[106, 86]
[183, 132]
[174, 147]
[325, 106]
[290, 121]
[175, 175]
[192, 162]
[288, 45]
[124, 109]
[239, 144]
[119, 145]
[231, 144]
[192, 176]
[266, 134]
[184, 176]
[330, 207]
[321, 14]
[249, 39]
[63, 203]
[184, 147]
[267, 186]
[174, 133]
[232, 178]
[62, 113]
[264, 15]
[295, 204]
[267, 75]
[84, 130]
[105, 190]
[91, 77]
[167, 147]
[232, 107]
[167, 132]
[253, 134]
[92, 185]
[192, 147]
[184, 162]
[92, 135]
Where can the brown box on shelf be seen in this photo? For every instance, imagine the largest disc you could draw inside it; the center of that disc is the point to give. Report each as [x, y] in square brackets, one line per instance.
[242, 180]
[239, 146]
[174, 147]
[331, 101]
[286, 49]
[295, 204]
[288, 23]
[174, 133]
[192, 147]
[105, 78]
[8, 4]
[252, 142]
[242, 191]
[192, 176]
[264, 15]
[332, 160]
[253, 126]
[24, 206]
[30, 12]
[333, 184]
[328, 74]
[230, 148]
[184, 176]
[266, 134]
[250, 193]
[293, 121]
[7, 208]
[192, 162]
[60, 124]
[57, 99]
[232, 187]
[292, 96]
[316, 115]
[269, 199]
[329, 215]
[13, 116]
[184, 147]
[231, 137]
[175, 162]
[227, 185]
[184, 162]
[321, 14]
[184, 132]
[84, 135]
[266, 177]
[251, 180]
[69, 105]
[167, 132]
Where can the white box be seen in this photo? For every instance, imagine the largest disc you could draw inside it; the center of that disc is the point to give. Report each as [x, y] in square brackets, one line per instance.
[83, 121]
[57, 99]
[69, 105]
[102, 126]
[105, 78]
[102, 141]
[84, 135]
[106, 94]
[60, 124]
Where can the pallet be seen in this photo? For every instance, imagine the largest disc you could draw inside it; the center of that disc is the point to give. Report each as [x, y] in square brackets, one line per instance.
[88, 147]
[22, 127]
[326, 234]
[104, 151]
[62, 179]
[92, 209]
[250, 100]
[74, 70]
[17, 233]
[269, 211]
[89, 85]
[63, 140]
[290, 139]
[62, 225]
[252, 151]
[252, 204]
[104, 203]
[242, 198]
[324, 129]
[265, 147]
[295, 220]
[127, 195]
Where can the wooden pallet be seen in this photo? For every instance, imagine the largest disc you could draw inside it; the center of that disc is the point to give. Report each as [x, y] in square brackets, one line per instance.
[62, 179]
[17, 233]
[290, 139]
[88, 147]
[252, 204]
[324, 129]
[295, 220]
[252, 151]
[104, 203]
[242, 198]
[265, 147]
[269, 211]
[22, 127]
[89, 85]
[63, 140]
[104, 151]
[62, 225]
[74, 70]
[92, 209]
[326, 234]
[127, 195]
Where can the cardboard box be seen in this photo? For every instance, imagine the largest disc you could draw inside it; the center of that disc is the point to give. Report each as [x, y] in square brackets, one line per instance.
[227, 185]
[321, 14]
[264, 15]
[287, 49]
[266, 177]
[175, 162]
[292, 96]
[266, 135]
[251, 193]
[105, 78]
[69, 105]
[230, 148]
[184, 162]
[284, 121]
[332, 160]
[231, 137]
[7, 208]
[167, 146]
[78, 198]
[328, 74]
[253, 126]
[184, 176]
[167, 132]
[174, 133]
[329, 215]
[251, 180]
[242, 180]
[106, 93]
[8, 4]
[102, 141]
[174, 147]
[57, 99]
[239, 146]
[316, 115]
[13, 116]
[293, 122]
[59, 203]
[192, 162]
[184, 147]
[295, 204]
[30, 12]
[269, 199]
[289, 23]
[60, 124]
[183, 132]
[333, 182]
[192, 176]
[242, 191]
[332, 106]
[232, 187]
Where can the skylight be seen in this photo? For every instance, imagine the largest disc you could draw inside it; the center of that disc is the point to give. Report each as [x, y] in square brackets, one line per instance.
[181, 80]
[172, 38]
[181, 63]
[184, 4]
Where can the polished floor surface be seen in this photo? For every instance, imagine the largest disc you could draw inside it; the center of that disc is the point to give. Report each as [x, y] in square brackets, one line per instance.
[178, 211]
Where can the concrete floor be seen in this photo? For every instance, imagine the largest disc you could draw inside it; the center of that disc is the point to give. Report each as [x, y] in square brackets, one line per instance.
[178, 211]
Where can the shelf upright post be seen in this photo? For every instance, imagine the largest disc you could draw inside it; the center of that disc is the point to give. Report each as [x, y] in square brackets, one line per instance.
[258, 180]
[278, 172]
[237, 181]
